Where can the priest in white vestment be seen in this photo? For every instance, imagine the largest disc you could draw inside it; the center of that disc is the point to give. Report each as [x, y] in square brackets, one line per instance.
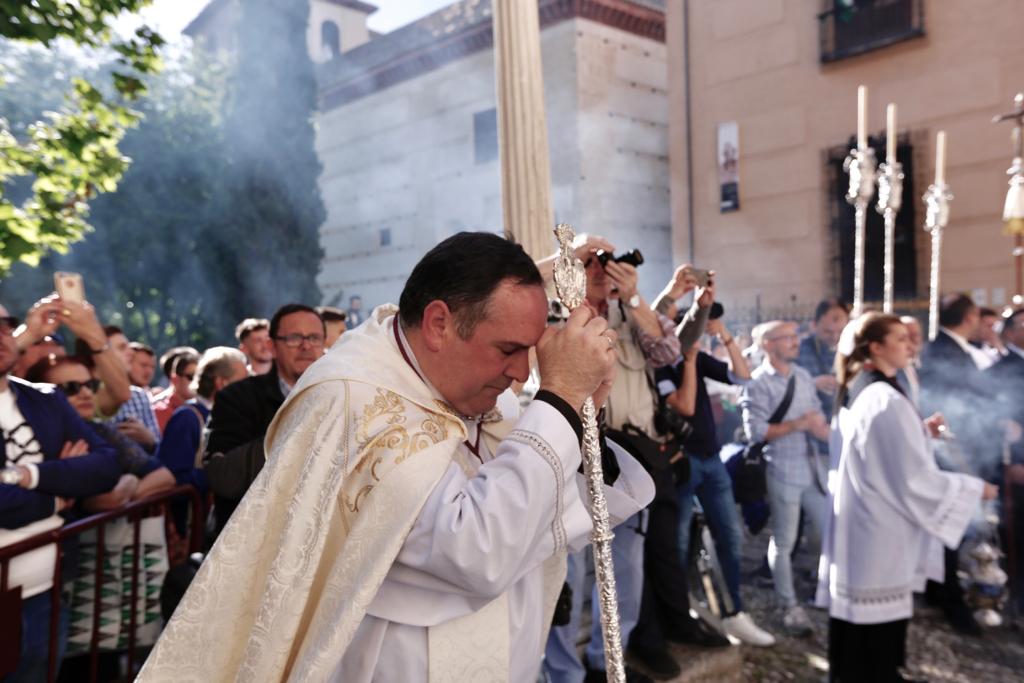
[889, 501]
[409, 525]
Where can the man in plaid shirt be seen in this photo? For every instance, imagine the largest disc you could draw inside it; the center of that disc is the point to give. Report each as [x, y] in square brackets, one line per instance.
[796, 479]
[135, 418]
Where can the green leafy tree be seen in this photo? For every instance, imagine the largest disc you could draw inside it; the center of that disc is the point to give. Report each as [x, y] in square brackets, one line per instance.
[217, 217]
[141, 264]
[72, 154]
[145, 265]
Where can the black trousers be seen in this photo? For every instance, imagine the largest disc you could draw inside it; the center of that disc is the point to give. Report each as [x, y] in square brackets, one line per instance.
[866, 652]
[665, 601]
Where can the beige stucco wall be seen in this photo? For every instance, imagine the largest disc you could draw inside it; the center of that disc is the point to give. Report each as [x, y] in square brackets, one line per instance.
[403, 159]
[757, 63]
[351, 24]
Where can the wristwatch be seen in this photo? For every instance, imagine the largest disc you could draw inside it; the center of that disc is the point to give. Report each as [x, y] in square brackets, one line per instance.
[11, 475]
[633, 301]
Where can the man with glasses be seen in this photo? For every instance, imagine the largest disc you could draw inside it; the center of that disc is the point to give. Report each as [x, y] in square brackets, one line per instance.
[50, 458]
[243, 411]
[795, 474]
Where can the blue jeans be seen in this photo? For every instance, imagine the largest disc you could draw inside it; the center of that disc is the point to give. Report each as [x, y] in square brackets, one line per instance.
[711, 483]
[35, 639]
[786, 500]
[628, 561]
[561, 663]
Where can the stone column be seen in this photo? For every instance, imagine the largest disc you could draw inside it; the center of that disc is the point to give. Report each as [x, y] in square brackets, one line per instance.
[522, 127]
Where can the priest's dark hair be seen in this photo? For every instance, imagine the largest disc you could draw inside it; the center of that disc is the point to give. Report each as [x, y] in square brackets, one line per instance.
[867, 329]
[463, 271]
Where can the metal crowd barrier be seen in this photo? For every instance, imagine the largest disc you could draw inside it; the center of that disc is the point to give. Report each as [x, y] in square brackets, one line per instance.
[136, 511]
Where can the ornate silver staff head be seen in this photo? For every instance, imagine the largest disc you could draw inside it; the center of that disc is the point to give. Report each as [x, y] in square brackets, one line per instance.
[890, 187]
[570, 275]
[936, 201]
[860, 164]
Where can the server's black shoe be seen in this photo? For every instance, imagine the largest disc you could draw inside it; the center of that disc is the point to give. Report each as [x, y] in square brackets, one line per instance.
[960, 618]
[696, 632]
[659, 662]
[599, 676]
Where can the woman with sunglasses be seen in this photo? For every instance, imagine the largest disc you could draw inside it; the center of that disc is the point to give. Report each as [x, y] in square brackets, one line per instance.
[888, 503]
[142, 474]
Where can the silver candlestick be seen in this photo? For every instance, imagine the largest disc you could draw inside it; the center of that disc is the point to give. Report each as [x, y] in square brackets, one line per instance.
[861, 167]
[936, 201]
[571, 284]
[1013, 209]
[890, 197]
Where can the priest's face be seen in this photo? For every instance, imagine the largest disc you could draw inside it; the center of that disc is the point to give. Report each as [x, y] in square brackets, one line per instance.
[473, 372]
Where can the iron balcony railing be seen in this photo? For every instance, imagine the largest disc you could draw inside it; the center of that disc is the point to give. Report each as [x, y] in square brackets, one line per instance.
[853, 27]
[134, 512]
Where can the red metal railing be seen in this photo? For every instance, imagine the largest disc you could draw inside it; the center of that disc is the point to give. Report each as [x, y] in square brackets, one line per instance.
[135, 511]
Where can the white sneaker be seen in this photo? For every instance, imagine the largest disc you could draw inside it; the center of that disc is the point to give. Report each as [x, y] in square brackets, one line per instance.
[796, 622]
[741, 627]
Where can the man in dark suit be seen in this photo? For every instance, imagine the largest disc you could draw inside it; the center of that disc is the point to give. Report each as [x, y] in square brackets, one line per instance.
[951, 381]
[1007, 380]
[244, 409]
[952, 384]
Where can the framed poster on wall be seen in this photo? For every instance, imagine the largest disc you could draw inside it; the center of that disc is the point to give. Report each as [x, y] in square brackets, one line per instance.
[729, 166]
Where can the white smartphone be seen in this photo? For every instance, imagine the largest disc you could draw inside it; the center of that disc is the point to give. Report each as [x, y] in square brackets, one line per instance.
[69, 286]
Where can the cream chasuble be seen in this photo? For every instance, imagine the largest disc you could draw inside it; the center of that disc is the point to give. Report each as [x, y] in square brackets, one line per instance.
[890, 503]
[375, 546]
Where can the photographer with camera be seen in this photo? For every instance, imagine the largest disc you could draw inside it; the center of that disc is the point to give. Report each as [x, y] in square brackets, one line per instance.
[645, 341]
[690, 325]
[684, 391]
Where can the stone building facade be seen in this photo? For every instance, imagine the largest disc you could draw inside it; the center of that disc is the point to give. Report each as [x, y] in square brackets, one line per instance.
[335, 26]
[408, 139]
[787, 71]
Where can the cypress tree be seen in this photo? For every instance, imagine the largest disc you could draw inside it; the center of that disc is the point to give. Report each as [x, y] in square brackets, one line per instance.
[270, 242]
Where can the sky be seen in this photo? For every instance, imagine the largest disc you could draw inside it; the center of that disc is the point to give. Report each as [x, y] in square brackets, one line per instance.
[169, 17]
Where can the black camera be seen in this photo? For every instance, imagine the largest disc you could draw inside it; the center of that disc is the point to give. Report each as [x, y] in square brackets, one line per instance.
[633, 258]
[557, 312]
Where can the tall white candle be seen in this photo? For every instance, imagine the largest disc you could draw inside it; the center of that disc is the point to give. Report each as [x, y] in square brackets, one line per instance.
[862, 117]
[890, 134]
[940, 158]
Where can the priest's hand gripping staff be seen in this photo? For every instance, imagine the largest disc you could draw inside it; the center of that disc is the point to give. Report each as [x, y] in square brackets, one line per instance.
[571, 285]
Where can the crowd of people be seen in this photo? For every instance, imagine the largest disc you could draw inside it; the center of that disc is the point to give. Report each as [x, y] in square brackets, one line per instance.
[851, 470]
[86, 431]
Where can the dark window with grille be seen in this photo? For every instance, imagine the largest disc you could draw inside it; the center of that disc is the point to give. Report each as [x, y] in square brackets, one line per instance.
[841, 215]
[853, 27]
[485, 136]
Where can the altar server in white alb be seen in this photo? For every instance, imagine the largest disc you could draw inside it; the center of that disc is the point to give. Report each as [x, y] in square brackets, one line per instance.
[409, 525]
[889, 503]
